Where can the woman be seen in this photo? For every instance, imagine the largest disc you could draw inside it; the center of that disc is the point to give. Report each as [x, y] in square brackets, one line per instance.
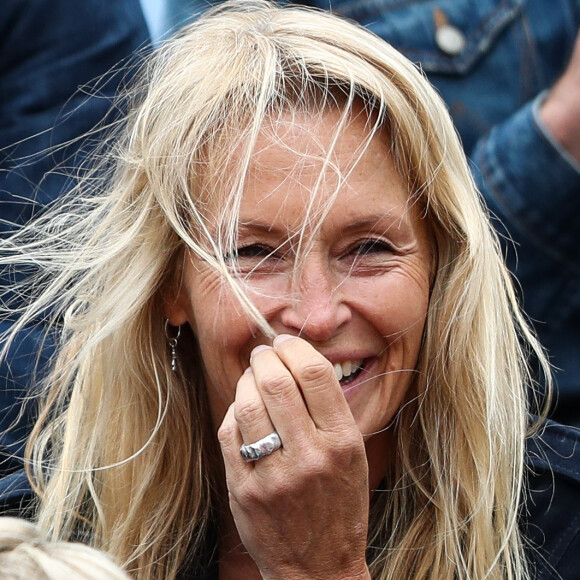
[283, 247]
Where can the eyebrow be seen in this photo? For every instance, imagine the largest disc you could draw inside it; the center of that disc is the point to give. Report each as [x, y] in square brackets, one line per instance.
[370, 220]
[383, 222]
[388, 219]
[257, 225]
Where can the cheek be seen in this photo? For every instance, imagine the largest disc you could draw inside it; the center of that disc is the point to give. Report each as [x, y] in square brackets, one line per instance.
[223, 333]
[226, 336]
[406, 314]
[214, 313]
[395, 304]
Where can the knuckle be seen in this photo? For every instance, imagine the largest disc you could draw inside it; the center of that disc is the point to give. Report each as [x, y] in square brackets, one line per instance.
[226, 434]
[281, 486]
[249, 412]
[333, 454]
[347, 451]
[318, 372]
[314, 463]
[277, 385]
[318, 466]
[246, 496]
[255, 493]
[348, 439]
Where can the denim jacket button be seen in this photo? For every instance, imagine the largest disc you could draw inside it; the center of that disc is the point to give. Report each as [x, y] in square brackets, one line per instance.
[450, 39]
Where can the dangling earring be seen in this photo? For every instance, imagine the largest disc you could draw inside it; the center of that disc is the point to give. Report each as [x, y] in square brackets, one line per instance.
[172, 341]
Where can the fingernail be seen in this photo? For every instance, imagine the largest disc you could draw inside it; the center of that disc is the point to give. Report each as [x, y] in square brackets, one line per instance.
[248, 370]
[258, 349]
[282, 338]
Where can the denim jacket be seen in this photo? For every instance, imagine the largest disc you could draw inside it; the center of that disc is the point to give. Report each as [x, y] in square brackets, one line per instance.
[511, 52]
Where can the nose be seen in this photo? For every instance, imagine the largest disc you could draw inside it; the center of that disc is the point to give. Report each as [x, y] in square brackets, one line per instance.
[316, 309]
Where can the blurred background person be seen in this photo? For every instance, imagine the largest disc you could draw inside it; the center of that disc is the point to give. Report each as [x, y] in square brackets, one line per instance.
[26, 554]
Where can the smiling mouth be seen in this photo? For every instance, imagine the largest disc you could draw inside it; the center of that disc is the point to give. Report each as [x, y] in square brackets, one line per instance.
[348, 371]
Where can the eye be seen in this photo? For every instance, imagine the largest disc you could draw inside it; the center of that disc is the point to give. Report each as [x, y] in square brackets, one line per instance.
[371, 246]
[255, 258]
[252, 251]
[368, 256]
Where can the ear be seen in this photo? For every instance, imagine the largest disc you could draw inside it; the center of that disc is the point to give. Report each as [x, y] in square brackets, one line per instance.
[175, 314]
[175, 300]
[176, 305]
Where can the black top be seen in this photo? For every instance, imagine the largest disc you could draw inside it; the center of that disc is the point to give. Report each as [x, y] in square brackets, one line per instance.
[550, 516]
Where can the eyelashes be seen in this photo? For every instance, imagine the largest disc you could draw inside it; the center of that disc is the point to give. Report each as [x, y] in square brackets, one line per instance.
[251, 251]
[255, 251]
[259, 257]
[371, 246]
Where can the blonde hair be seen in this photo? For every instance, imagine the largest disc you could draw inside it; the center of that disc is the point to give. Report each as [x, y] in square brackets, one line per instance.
[26, 554]
[122, 453]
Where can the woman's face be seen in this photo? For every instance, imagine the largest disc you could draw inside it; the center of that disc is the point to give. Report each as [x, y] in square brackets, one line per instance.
[361, 294]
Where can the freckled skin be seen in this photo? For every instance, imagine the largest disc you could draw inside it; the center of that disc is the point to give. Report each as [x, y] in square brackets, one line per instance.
[346, 300]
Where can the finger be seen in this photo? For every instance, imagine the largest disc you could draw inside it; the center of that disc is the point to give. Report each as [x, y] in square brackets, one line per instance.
[230, 440]
[315, 374]
[282, 397]
[250, 411]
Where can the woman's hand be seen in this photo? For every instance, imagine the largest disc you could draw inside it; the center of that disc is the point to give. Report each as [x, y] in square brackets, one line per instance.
[301, 512]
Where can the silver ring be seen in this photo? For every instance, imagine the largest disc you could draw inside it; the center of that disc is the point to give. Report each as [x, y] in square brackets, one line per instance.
[261, 448]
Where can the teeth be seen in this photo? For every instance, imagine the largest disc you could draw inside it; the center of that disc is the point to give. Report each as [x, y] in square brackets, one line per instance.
[346, 368]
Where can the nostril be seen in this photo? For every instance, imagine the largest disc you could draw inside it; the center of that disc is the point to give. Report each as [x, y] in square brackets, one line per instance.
[316, 325]
[317, 310]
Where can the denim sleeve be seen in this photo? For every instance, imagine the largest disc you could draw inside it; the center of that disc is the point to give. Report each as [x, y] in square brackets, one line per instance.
[531, 185]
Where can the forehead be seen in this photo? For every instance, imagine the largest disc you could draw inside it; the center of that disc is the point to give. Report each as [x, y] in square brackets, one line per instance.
[317, 144]
[301, 165]
[312, 159]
